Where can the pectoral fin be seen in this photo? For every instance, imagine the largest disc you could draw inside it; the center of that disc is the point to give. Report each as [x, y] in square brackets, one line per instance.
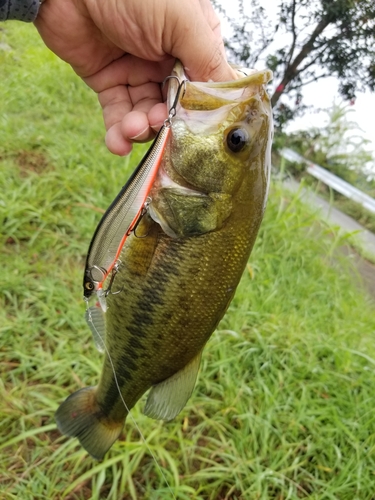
[167, 399]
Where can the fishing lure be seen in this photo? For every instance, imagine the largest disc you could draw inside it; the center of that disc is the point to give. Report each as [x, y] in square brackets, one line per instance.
[123, 215]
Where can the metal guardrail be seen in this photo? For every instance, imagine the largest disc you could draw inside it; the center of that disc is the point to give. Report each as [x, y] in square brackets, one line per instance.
[331, 180]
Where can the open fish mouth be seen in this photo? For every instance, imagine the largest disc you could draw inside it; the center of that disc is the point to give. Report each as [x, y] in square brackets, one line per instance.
[249, 83]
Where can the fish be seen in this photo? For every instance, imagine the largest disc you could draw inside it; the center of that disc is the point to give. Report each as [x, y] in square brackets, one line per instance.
[179, 272]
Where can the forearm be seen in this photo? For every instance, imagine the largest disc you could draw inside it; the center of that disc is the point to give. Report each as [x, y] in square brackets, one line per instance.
[20, 10]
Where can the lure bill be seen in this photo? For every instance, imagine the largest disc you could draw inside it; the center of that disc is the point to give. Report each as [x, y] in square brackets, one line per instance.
[95, 318]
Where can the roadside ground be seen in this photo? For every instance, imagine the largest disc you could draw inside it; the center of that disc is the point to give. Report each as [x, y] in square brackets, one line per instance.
[363, 238]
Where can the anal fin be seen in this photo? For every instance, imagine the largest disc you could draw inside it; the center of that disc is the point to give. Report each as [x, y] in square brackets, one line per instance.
[167, 399]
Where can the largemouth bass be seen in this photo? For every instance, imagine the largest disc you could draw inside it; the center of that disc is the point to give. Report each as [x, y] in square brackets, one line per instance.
[179, 271]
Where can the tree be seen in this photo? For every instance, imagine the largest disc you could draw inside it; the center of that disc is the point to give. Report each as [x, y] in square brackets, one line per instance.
[317, 38]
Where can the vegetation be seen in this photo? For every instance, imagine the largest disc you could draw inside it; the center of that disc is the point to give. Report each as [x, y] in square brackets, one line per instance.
[283, 408]
[339, 147]
[316, 39]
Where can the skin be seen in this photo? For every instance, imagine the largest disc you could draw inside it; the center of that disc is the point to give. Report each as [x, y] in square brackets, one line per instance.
[125, 49]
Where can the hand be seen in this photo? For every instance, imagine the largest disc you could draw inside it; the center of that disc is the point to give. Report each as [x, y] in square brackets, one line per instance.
[124, 49]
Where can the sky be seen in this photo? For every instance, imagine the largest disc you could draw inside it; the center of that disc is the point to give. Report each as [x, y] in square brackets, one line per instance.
[321, 94]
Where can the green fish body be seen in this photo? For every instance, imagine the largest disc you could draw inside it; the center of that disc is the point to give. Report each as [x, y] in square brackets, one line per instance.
[179, 270]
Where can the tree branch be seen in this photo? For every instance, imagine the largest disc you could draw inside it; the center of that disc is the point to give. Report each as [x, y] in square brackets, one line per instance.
[291, 52]
[314, 79]
[311, 63]
[292, 69]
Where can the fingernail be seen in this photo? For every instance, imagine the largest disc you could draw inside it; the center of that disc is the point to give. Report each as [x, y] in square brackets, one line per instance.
[157, 127]
[139, 135]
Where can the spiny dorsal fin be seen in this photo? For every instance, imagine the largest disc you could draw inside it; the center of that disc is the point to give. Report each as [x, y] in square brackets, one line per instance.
[167, 399]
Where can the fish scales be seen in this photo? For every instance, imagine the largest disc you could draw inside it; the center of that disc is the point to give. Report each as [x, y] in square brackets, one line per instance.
[178, 279]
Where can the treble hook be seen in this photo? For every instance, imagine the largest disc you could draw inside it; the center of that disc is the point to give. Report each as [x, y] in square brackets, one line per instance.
[172, 109]
[113, 275]
[170, 78]
[143, 212]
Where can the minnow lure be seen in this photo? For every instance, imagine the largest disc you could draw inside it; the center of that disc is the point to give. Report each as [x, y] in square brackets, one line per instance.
[123, 215]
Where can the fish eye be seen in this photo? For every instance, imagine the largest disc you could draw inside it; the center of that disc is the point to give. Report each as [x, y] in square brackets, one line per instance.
[89, 285]
[237, 139]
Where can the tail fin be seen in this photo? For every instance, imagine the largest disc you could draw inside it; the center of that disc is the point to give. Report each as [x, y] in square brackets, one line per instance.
[79, 416]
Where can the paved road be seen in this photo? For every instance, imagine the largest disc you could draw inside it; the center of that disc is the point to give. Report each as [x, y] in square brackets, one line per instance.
[365, 238]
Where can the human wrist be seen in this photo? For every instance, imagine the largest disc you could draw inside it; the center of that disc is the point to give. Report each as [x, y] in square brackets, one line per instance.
[19, 10]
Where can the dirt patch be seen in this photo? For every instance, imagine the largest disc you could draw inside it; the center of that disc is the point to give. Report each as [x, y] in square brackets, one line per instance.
[31, 161]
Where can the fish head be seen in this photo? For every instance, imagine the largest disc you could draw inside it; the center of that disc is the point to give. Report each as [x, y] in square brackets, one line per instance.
[222, 131]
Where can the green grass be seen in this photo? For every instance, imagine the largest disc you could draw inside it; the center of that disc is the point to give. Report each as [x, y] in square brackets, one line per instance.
[341, 202]
[283, 408]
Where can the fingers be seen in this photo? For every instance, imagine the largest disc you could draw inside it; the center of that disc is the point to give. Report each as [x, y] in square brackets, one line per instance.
[131, 114]
[135, 126]
[115, 103]
[130, 70]
[129, 86]
[157, 115]
[131, 98]
[154, 31]
[121, 99]
[196, 40]
[116, 142]
[141, 126]
[124, 51]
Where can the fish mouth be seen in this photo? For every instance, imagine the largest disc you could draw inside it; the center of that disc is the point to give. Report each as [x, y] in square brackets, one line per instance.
[213, 95]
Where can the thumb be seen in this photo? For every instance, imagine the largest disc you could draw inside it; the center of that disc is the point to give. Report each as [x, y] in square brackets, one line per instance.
[196, 40]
